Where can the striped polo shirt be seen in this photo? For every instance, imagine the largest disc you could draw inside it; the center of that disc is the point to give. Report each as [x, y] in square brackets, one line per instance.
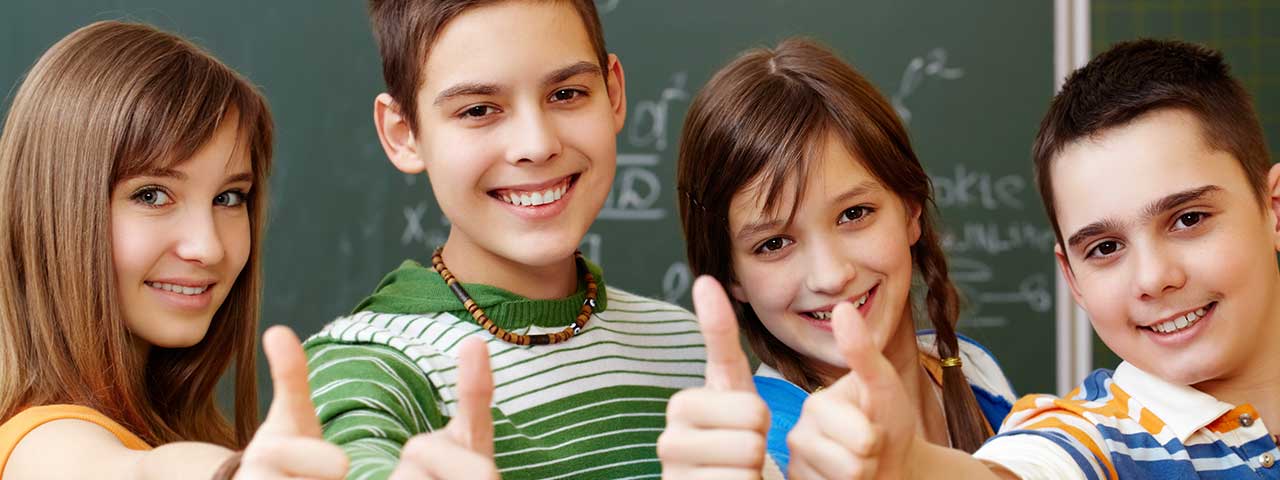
[1133, 425]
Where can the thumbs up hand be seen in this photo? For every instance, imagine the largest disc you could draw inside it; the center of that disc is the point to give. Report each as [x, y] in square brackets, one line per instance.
[717, 431]
[463, 450]
[864, 425]
[288, 444]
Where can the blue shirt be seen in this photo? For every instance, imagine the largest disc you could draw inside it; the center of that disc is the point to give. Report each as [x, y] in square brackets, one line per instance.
[994, 394]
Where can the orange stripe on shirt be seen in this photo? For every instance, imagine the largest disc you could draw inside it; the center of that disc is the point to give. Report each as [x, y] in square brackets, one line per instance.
[1080, 436]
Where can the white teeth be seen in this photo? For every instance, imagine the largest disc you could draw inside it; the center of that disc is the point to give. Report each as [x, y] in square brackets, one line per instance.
[1179, 323]
[179, 289]
[543, 197]
[862, 300]
[821, 315]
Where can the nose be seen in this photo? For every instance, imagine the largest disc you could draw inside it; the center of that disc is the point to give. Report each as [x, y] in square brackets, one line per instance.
[534, 138]
[1157, 271]
[830, 269]
[199, 241]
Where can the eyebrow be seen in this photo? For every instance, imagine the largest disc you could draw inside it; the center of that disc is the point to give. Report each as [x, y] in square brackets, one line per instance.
[571, 71]
[751, 229]
[466, 89]
[240, 177]
[1164, 204]
[476, 88]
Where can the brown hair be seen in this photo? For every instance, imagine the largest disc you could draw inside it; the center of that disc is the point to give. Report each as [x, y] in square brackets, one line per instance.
[406, 29]
[1134, 78]
[763, 116]
[109, 101]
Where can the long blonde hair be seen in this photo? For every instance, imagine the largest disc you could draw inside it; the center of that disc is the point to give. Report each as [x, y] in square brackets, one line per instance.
[109, 101]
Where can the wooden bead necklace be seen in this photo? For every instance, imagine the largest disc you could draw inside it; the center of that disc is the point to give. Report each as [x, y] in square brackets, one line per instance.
[588, 305]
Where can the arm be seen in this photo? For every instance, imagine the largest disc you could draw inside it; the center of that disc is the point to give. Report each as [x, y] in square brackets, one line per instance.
[382, 410]
[285, 446]
[371, 400]
[43, 454]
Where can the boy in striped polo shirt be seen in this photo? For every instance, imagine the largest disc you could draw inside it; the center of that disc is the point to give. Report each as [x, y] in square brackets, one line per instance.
[1156, 176]
[1153, 168]
[511, 108]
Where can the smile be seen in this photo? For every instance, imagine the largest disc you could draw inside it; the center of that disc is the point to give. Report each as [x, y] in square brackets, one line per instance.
[1181, 322]
[825, 313]
[537, 196]
[178, 289]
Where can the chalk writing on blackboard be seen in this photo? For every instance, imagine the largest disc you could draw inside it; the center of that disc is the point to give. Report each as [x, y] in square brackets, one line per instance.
[413, 231]
[635, 190]
[606, 6]
[963, 187]
[676, 282]
[649, 119]
[933, 64]
[590, 247]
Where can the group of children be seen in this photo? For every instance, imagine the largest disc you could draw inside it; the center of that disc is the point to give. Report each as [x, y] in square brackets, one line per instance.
[805, 212]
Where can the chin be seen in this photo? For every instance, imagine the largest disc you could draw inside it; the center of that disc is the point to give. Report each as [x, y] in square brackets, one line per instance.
[178, 337]
[542, 256]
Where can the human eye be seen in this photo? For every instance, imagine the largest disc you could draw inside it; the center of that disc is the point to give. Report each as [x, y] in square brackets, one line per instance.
[854, 214]
[772, 245]
[231, 198]
[152, 196]
[476, 112]
[565, 95]
[1104, 249]
[1188, 220]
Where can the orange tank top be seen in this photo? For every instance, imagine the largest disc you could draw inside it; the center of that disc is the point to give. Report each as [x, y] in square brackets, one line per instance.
[13, 430]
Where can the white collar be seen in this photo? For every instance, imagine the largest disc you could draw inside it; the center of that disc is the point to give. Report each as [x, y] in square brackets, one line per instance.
[767, 371]
[1182, 408]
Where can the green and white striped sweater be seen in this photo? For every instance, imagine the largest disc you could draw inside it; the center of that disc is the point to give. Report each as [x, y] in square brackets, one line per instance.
[591, 407]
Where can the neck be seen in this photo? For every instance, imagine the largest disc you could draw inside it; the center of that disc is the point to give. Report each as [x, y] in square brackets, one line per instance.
[472, 264]
[904, 353]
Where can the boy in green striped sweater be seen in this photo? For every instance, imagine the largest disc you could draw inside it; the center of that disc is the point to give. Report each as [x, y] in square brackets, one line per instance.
[511, 108]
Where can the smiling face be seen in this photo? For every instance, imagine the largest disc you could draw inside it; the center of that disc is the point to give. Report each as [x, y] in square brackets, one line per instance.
[849, 239]
[516, 131]
[1175, 262]
[180, 238]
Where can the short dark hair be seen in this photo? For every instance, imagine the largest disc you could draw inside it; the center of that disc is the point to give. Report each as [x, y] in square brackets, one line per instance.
[406, 29]
[1132, 79]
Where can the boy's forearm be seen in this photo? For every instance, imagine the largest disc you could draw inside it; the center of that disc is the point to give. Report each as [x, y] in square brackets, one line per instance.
[929, 461]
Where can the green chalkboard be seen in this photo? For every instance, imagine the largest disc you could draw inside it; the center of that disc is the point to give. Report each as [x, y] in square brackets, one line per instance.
[1247, 32]
[972, 80]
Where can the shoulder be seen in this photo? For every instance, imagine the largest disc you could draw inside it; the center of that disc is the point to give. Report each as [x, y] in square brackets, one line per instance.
[979, 365]
[412, 336]
[372, 354]
[35, 442]
[1081, 414]
[1072, 431]
[623, 302]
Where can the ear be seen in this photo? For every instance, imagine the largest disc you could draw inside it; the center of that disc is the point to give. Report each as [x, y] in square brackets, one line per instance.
[913, 223]
[1273, 203]
[1064, 264]
[616, 82]
[397, 138]
[737, 292]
